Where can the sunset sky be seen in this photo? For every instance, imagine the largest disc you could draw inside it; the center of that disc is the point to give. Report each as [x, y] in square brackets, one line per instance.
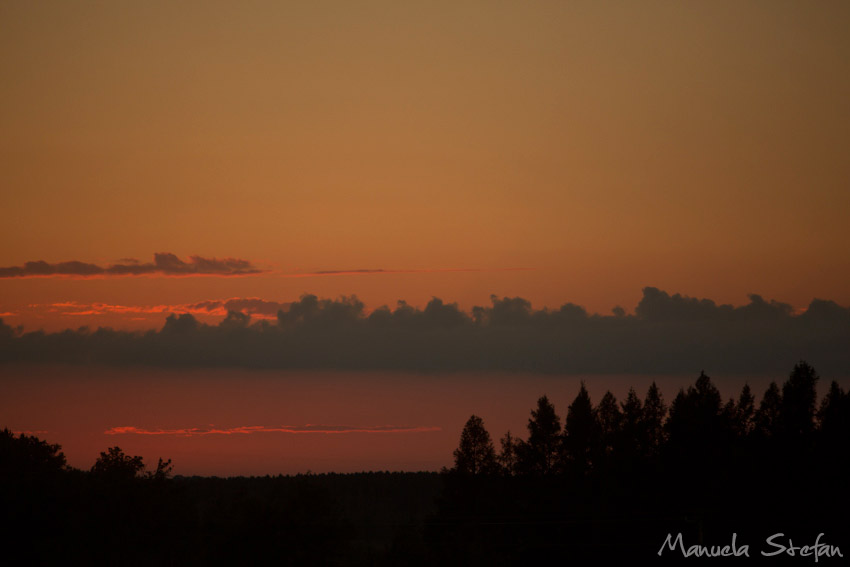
[558, 151]
[195, 157]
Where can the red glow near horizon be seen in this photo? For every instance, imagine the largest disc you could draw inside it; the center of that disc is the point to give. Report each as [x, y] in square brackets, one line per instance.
[78, 407]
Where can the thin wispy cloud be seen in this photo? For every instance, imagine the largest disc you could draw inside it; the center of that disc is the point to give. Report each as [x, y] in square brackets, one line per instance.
[170, 265]
[254, 306]
[30, 432]
[77, 308]
[164, 264]
[363, 271]
[251, 429]
[374, 271]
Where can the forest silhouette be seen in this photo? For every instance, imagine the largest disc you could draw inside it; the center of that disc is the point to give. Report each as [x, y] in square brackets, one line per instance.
[609, 481]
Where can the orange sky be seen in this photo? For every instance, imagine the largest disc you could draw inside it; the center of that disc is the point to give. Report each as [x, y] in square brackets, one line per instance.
[698, 148]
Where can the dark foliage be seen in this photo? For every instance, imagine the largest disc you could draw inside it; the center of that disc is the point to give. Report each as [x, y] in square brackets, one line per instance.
[118, 514]
[607, 487]
[476, 454]
[627, 476]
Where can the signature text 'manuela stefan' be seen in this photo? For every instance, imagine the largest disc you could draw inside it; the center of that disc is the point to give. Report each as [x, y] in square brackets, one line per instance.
[775, 543]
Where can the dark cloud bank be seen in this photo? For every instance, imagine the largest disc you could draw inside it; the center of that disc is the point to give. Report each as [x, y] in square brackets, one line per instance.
[164, 264]
[667, 334]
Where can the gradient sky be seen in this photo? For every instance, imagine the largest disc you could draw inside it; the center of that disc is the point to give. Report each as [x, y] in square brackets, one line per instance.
[559, 151]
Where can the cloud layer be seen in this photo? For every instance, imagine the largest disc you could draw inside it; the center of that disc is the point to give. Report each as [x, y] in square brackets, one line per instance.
[164, 264]
[249, 429]
[254, 306]
[667, 334]
[168, 264]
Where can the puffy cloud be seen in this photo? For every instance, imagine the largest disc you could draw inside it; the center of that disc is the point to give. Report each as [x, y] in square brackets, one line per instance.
[42, 268]
[657, 305]
[667, 333]
[164, 264]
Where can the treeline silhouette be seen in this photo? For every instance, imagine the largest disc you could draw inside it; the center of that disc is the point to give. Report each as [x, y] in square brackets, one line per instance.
[614, 479]
[117, 513]
[609, 481]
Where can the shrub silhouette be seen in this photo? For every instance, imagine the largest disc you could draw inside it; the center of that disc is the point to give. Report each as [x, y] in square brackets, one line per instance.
[115, 465]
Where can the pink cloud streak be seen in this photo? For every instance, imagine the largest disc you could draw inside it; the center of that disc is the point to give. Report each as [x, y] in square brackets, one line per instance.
[249, 429]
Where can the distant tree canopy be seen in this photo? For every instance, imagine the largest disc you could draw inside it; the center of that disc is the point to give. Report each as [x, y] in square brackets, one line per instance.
[540, 453]
[115, 465]
[834, 414]
[581, 432]
[118, 514]
[695, 433]
[799, 396]
[27, 455]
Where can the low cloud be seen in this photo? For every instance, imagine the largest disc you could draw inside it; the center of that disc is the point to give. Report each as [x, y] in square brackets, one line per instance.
[164, 264]
[253, 306]
[167, 264]
[250, 429]
[667, 334]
